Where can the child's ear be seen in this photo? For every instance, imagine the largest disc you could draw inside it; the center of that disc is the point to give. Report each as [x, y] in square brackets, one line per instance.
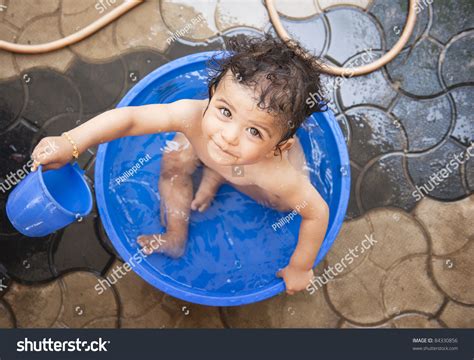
[285, 146]
[288, 144]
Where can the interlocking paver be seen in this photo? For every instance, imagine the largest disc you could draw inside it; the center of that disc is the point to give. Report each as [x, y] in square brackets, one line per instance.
[230, 13]
[417, 70]
[449, 225]
[148, 31]
[7, 70]
[298, 311]
[297, 9]
[437, 172]
[426, 121]
[35, 306]
[373, 134]
[397, 234]
[101, 45]
[98, 96]
[324, 4]
[453, 273]
[464, 127]
[384, 183]
[352, 31]
[416, 321]
[392, 15]
[12, 99]
[49, 94]
[450, 18]
[455, 315]
[39, 31]
[458, 66]
[364, 284]
[178, 16]
[19, 13]
[351, 235]
[408, 287]
[359, 91]
[81, 302]
[6, 319]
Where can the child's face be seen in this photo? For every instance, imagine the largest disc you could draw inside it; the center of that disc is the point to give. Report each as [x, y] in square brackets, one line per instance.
[237, 131]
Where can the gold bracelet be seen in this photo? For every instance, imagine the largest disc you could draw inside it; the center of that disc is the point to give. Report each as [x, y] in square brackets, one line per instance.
[75, 151]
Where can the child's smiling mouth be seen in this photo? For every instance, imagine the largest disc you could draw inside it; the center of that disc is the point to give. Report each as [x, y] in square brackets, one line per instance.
[219, 152]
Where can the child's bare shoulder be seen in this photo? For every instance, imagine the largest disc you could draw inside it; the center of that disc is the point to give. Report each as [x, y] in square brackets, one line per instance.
[293, 187]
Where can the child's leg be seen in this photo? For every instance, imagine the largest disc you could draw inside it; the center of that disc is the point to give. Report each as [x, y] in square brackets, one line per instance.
[176, 193]
[210, 183]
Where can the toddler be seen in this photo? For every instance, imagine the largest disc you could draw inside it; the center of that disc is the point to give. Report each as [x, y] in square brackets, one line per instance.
[243, 135]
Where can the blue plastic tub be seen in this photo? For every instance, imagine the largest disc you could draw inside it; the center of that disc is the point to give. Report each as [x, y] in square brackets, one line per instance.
[233, 252]
[44, 202]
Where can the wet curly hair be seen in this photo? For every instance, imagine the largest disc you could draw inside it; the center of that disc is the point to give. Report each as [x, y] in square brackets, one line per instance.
[282, 72]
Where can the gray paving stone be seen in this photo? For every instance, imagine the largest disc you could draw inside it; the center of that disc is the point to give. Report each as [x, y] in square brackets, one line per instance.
[392, 16]
[417, 70]
[373, 134]
[426, 122]
[385, 184]
[352, 31]
[464, 126]
[458, 66]
[451, 17]
[437, 173]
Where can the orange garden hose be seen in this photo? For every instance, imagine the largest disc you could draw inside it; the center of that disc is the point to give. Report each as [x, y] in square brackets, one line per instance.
[274, 17]
[362, 70]
[73, 38]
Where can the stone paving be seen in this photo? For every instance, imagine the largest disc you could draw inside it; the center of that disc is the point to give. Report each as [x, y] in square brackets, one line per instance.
[403, 124]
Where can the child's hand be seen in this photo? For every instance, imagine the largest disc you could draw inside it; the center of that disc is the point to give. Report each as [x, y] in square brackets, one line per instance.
[52, 152]
[296, 279]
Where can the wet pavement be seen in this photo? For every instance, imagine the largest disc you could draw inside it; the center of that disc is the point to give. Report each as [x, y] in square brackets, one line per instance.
[404, 125]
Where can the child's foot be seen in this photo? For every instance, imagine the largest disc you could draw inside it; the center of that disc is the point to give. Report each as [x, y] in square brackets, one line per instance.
[170, 244]
[203, 198]
[207, 191]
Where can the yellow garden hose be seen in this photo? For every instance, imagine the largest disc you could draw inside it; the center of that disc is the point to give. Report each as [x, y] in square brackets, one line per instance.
[274, 17]
[362, 70]
[73, 38]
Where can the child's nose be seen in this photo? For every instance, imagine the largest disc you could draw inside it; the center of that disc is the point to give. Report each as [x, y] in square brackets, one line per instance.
[230, 134]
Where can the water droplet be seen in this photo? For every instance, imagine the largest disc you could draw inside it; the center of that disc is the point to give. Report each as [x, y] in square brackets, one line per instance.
[229, 281]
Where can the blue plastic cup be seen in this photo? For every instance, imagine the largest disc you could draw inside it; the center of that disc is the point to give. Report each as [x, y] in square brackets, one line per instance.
[45, 202]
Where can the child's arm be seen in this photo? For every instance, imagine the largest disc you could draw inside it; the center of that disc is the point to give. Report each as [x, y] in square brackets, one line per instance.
[114, 124]
[315, 217]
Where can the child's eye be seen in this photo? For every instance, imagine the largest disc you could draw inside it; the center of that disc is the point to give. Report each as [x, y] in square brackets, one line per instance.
[226, 112]
[254, 132]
